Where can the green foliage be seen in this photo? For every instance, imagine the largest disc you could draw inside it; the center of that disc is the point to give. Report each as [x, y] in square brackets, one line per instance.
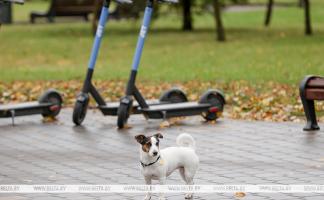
[61, 51]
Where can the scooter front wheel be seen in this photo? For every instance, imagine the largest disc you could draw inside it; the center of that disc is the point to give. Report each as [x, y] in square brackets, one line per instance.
[55, 99]
[123, 115]
[80, 110]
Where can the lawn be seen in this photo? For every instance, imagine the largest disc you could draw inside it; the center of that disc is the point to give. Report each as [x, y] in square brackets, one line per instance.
[252, 52]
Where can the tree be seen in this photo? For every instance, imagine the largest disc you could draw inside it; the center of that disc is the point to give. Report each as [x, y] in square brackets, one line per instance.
[187, 16]
[304, 3]
[218, 19]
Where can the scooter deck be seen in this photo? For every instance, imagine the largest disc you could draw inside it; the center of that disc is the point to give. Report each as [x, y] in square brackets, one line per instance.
[175, 110]
[22, 109]
[111, 108]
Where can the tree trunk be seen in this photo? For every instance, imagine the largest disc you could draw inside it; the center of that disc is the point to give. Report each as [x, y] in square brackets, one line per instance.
[187, 18]
[308, 25]
[301, 3]
[219, 23]
[268, 13]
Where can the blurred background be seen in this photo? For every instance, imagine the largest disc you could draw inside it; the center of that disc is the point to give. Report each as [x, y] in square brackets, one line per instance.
[232, 44]
[253, 52]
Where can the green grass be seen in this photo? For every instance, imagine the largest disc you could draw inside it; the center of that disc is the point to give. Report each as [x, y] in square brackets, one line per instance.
[252, 52]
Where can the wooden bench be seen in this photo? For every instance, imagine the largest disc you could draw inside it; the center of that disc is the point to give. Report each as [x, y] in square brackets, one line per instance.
[80, 8]
[311, 88]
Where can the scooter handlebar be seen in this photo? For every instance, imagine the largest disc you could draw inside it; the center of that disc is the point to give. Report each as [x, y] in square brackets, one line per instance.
[169, 1]
[124, 1]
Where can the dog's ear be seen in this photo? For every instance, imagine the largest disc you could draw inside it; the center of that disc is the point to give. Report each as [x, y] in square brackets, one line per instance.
[140, 139]
[158, 135]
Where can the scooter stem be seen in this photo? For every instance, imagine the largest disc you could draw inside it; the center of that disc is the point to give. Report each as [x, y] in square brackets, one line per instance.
[99, 33]
[142, 35]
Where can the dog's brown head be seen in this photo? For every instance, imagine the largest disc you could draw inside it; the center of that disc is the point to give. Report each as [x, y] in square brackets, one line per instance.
[150, 144]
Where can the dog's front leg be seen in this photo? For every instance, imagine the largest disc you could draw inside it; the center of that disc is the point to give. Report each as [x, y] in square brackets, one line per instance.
[148, 181]
[162, 182]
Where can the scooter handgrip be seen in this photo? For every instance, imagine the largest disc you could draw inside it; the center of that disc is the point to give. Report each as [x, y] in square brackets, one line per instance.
[14, 1]
[124, 1]
[169, 1]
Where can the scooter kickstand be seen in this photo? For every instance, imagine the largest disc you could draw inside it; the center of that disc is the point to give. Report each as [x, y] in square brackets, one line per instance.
[12, 117]
[164, 116]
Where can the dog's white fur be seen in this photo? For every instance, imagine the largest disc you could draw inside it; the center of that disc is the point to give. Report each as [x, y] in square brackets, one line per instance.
[182, 157]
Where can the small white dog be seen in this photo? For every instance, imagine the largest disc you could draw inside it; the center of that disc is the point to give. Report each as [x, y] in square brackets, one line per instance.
[158, 164]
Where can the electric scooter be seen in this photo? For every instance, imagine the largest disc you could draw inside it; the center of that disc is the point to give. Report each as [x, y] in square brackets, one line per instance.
[210, 105]
[173, 95]
[48, 105]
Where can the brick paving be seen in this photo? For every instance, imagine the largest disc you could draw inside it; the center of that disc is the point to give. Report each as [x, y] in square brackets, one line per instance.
[231, 152]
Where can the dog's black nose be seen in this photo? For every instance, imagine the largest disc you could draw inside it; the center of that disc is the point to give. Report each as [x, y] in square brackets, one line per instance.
[155, 153]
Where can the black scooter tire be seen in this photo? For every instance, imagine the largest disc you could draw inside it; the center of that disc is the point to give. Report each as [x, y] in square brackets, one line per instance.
[79, 112]
[123, 115]
[216, 99]
[54, 97]
[173, 95]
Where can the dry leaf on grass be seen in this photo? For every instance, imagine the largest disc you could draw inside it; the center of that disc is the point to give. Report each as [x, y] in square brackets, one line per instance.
[266, 101]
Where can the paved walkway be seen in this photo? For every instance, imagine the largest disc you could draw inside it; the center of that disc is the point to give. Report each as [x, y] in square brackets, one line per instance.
[231, 152]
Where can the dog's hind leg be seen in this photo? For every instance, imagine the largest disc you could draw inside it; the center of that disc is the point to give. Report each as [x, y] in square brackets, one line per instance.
[182, 174]
[188, 176]
[190, 194]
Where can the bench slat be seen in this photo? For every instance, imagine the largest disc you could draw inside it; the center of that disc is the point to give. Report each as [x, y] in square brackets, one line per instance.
[316, 83]
[315, 94]
[85, 9]
[73, 3]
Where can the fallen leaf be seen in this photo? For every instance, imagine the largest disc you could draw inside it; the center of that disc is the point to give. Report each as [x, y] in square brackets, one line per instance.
[49, 119]
[239, 194]
[127, 126]
[267, 101]
[165, 124]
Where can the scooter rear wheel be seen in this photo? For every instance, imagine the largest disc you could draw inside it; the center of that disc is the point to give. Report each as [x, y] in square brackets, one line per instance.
[80, 110]
[217, 101]
[173, 95]
[53, 97]
[123, 115]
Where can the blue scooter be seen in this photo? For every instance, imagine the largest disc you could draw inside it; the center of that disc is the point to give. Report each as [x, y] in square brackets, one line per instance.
[81, 105]
[210, 105]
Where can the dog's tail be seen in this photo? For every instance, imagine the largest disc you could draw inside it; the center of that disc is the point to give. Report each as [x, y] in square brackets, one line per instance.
[186, 140]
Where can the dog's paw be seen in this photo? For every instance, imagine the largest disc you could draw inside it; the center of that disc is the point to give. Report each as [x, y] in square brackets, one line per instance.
[189, 196]
[162, 198]
[147, 197]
